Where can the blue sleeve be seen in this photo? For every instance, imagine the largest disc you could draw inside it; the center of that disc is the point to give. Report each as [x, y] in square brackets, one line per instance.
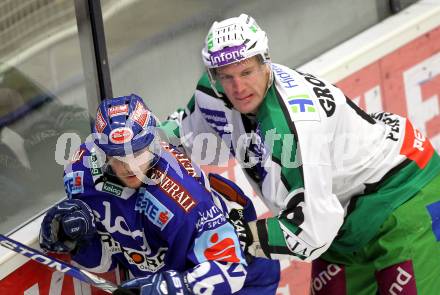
[221, 268]
[79, 184]
[220, 264]
[263, 275]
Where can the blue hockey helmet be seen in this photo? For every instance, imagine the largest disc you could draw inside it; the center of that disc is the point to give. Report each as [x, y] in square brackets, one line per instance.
[124, 125]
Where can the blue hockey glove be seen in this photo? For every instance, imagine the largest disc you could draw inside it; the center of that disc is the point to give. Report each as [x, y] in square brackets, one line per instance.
[66, 225]
[168, 282]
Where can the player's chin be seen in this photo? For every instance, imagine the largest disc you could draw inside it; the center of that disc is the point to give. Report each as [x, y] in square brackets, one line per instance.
[132, 181]
[245, 107]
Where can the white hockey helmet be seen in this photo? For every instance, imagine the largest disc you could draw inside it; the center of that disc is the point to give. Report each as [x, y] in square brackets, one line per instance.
[233, 40]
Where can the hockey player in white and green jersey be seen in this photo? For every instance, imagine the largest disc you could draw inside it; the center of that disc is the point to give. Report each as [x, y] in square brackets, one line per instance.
[357, 194]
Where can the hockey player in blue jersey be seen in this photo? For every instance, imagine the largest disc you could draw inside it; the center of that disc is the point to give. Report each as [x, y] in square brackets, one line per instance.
[137, 202]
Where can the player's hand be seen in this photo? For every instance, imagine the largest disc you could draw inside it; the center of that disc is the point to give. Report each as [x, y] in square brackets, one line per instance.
[66, 225]
[168, 282]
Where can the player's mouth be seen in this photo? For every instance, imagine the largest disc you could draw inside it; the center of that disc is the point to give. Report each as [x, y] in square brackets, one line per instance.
[244, 97]
[132, 181]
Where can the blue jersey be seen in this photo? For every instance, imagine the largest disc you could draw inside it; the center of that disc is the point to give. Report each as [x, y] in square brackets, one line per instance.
[170, 222]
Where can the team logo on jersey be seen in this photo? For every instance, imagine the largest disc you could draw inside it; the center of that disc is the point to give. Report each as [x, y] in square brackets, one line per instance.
[285, 78]
[73, 182]
[100, 122]
[210, 219]
[153, 209]
[416, 146]
[118, 110]
[302, 108]
[112, 188]
[174, 190]
[220, 244]
[116, 223]
[149, 263]
[391, 120]
[121, 135]
[323, 93]
[95, 168]
[182, 159]
[301, 104]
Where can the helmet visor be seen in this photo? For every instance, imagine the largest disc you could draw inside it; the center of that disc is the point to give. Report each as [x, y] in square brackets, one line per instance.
[135, 164]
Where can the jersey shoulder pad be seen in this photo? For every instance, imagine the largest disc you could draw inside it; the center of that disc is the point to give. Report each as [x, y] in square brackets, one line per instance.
[159, 210]
[181, 162]
[177, 185]
[79, 173]
[328, 95]
[295, 97]
[204, 80]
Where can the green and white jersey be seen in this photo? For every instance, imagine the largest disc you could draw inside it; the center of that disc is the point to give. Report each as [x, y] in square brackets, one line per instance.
[330, 172]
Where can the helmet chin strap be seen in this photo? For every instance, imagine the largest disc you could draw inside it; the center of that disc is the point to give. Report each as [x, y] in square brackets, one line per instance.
[212, 83]
[270, 80]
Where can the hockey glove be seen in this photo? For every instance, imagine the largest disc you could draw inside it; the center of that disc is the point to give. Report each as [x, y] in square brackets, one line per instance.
[236, 218]
[67, 225]
[168, 282]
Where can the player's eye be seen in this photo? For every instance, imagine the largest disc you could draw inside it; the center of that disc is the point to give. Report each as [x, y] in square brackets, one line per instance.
[224, 77]
[246, 73]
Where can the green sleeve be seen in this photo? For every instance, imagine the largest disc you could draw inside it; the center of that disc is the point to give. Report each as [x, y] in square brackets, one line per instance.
[170, 128]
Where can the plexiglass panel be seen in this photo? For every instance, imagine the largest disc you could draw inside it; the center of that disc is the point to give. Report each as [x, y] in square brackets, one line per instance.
[42, 97]
[154, 46]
